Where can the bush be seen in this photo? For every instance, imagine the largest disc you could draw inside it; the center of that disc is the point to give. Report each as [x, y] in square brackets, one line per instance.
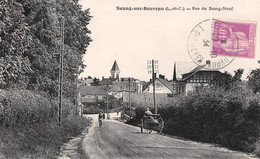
[231, 119]
[29, 127]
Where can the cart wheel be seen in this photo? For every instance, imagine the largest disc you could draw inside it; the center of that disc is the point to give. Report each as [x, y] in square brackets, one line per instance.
[142, 125]
[161, 128]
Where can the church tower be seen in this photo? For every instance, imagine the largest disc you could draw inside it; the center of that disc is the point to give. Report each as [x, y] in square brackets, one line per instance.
[115, 70]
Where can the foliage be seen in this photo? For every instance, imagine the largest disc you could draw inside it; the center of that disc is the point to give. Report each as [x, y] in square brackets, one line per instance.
[214, 115]
[254, 80]
[95, 82]
[227, 81]
[15, 38]
[29, 60]
[30, 44]
[28, 124]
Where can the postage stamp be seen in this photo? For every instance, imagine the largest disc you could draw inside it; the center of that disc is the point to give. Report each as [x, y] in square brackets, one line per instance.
[199, 47]
[236, 39]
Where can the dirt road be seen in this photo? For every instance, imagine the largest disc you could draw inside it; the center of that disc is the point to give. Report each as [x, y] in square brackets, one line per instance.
[116, 140]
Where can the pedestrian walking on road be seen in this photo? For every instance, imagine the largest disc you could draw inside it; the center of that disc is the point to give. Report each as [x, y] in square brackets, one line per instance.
[104, 116]
[100, 117]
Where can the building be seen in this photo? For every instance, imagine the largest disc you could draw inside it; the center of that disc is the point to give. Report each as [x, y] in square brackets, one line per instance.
[92, 94]
[85, 81]
[114, 75]
[115, 71]
[197, 77]
[161, 86]
[107, 81]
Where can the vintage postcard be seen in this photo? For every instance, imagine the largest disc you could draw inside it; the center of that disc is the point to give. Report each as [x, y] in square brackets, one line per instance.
[130, 79]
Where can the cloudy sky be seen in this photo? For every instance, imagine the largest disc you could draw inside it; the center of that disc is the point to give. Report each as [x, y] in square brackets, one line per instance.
[133, 37]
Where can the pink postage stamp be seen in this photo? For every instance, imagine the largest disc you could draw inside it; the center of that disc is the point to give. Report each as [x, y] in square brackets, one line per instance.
[236, 39]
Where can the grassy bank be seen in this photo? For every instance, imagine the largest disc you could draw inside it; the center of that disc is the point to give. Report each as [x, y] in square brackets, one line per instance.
[29, 128]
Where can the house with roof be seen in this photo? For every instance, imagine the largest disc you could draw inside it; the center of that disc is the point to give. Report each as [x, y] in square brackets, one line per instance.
[197, 77]
[161, 86]
[85, 81]
[92, 94]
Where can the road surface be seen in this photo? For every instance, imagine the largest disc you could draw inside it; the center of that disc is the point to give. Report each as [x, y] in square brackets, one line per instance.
[116, 140]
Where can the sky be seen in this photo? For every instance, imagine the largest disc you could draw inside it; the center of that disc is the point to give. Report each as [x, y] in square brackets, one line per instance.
[133, 37]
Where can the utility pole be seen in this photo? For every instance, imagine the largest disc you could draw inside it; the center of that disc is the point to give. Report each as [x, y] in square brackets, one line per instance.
[61, 71]
[155, 109]
[107, 100]
[76, 99]
[129, 102]
[129, 90]
[153, 64]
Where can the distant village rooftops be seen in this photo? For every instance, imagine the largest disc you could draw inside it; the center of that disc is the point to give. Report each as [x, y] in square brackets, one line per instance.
[93, 90]
[107, 81]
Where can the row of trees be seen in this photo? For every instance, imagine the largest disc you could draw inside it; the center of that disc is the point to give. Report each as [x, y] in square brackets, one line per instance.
[29, 67]
[227, 81]
[30, 40]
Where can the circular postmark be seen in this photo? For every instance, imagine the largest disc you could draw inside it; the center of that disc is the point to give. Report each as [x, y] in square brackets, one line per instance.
[207, 40]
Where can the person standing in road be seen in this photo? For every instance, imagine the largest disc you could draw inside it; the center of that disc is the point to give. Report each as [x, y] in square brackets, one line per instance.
[148, 112]
[100, 117]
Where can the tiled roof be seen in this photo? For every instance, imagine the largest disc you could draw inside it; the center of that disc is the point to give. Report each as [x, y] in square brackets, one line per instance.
[115, 67]
[107, 81]
[145, 85]
[93, 90]
[166, 83]
[194, 71]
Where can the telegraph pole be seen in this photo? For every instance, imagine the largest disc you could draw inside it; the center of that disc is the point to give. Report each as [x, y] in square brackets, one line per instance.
[129, 91]
[129, 95]
[155, 109]
[107, 100]
[76, 99]
[61, 71]
[153, 64]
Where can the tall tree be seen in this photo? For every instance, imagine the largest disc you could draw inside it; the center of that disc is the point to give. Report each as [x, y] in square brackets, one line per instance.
[227, 81]
[31, 39]
[95, 82]
[254, 80]
[15, 38]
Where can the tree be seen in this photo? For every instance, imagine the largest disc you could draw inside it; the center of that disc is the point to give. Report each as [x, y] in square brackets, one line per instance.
[15, 38]
[254, 80]
[223, 80]
[42, 20]
[95, 82]
[238, 75]
[227, 81]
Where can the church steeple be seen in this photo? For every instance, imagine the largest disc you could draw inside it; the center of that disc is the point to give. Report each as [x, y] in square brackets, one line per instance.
[115, 70]
[174, 73]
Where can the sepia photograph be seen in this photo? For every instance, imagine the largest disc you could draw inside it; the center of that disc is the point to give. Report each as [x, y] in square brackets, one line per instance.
[129, 79]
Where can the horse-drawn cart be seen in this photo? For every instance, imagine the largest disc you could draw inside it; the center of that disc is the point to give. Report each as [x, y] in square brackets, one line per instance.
[152, 122]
